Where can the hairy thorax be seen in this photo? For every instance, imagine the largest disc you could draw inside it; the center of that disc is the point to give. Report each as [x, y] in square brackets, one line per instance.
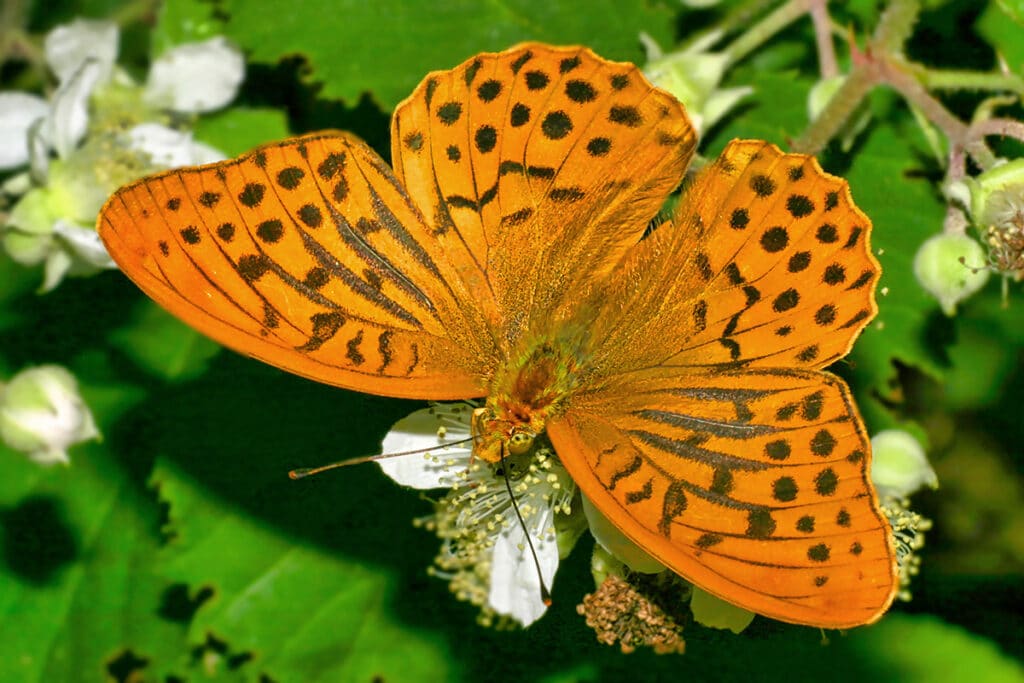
[526, 393]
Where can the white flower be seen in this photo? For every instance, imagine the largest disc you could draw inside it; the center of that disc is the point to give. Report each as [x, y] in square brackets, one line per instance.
[104, 131]
[196, 77]
[170, 148]
[69, 46]
[899, 467]
[485, 554]
[18, 111]
[42, 414]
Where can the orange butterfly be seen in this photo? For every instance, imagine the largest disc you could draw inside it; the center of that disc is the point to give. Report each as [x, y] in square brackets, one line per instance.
[678, 376]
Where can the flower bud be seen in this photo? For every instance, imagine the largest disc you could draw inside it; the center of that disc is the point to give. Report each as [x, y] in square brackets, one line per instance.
[951, 268]
[42, 414]
[693, 77]
[616, 543]
[899, 465]
[713, 612]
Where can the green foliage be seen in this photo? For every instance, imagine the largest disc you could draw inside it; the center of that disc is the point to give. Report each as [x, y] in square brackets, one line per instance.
[341, 41]
[178, 547]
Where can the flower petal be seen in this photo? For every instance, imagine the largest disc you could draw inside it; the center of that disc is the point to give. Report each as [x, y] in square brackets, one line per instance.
[69, 46]
[169, 148]
[18, 111]
[196, 77]
[69, 117]
[616, 543]
[436, 469]
[84, 244]
[515, 585]
[58, 264]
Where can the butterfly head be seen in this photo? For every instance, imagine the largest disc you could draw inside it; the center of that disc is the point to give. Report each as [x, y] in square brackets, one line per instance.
[495, 436]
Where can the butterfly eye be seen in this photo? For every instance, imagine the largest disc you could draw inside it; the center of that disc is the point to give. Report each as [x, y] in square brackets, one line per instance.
[520, 442]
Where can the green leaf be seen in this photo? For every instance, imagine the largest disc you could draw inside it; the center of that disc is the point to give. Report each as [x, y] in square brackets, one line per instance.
[183, 21]
[162, 345]
[387, 47]
[777, 110]
[1014, 9]
[1000, 24]
[75, 587]
[920, 647]
[304, 612]
[905, 209]
[237, 130]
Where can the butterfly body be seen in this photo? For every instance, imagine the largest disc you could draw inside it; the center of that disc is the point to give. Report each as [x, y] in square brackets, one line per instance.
[679, 376]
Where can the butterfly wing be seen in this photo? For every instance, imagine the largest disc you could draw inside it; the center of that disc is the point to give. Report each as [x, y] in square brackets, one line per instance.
[710, 437]
[308, 255]
[766, 263]
[751, 484]
[541, 167]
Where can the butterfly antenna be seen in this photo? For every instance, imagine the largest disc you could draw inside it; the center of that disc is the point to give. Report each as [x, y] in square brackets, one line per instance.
[545, 594]
[303, 472]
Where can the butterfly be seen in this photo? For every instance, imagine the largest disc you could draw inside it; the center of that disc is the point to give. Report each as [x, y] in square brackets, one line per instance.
[677, 372]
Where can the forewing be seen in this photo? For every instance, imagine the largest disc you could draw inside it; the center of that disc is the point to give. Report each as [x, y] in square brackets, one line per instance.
[541, 167]
[752, 485]
[308, 255]
[767, 262]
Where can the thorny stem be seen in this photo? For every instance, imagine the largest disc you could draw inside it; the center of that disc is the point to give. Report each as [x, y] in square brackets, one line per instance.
[760, 32]
[952, 79]
[1009, 128]
[895, 26]
[956, 221]
[881, 65]
[836, 113]
[823, 37]
[898, 77]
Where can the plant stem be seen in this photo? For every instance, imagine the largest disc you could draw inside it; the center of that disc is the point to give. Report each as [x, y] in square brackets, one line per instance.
[823, 37]
[760, 32]
[952, 79]
[836, 113]
[1009, 128]
[895, 26]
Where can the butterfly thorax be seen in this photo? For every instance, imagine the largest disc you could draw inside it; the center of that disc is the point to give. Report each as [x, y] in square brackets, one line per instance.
[526, 393]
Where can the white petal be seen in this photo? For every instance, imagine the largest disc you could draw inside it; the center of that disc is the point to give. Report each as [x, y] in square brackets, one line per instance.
[418, 431]
[196, 77]
[515, 585]
[84, 244]
[171, 148]
[58, 263]
[202, 153]
[18, 111]
[616, 543]
[39, 151]
[70, 115]
[70, 45]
